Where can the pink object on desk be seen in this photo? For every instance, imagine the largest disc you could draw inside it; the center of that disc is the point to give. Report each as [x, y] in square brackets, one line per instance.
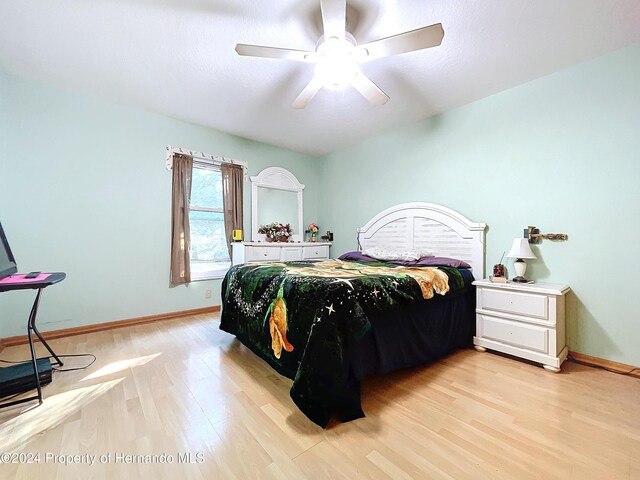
[19, 278]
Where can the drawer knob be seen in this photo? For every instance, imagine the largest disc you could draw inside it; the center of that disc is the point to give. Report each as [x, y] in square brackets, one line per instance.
[316, 253]
[265, 254]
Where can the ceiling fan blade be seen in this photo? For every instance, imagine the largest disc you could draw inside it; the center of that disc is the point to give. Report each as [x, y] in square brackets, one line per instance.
[334, 18]
[425, 37]
[308, 93]
[274, 52]
[369, 90]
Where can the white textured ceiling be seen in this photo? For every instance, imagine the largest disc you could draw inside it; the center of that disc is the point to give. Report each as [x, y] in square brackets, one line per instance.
[176, 57]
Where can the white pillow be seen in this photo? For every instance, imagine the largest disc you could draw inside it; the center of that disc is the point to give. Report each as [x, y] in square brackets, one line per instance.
[390, 254]
[424, 253]
[382, 253]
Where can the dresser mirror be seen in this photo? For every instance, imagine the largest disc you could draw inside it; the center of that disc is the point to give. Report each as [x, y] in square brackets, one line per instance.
[276, 197]
[277, 206]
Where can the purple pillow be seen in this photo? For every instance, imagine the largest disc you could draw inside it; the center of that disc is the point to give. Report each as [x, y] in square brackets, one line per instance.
[442, 261]
[357, 256]
[423, 262]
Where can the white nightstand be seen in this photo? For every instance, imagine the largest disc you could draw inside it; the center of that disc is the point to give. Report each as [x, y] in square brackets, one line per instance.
[525, 320]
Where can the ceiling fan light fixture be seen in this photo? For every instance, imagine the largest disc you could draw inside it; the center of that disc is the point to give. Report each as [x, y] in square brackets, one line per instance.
[337, 63]
[338, 56]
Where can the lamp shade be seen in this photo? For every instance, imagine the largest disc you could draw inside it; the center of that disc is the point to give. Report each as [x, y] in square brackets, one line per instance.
[520, 249]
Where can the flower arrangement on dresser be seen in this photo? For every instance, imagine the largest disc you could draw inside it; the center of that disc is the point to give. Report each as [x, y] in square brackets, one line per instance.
[313, 232]
[276, 232]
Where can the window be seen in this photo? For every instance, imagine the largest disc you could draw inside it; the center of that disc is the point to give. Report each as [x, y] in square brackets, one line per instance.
[209, 254]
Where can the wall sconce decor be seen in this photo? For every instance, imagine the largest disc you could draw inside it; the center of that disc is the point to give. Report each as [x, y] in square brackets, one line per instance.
[535, 237]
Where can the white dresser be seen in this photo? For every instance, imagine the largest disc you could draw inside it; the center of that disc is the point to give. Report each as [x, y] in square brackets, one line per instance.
[278, 252]
[524, 320]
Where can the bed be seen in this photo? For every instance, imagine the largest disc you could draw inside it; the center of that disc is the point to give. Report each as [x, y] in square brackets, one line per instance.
[328, 324]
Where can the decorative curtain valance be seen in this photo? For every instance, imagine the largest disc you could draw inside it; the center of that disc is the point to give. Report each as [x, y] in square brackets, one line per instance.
[201, 158]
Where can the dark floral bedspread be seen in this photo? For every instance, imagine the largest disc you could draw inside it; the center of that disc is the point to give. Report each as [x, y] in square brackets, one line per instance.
[302, 317]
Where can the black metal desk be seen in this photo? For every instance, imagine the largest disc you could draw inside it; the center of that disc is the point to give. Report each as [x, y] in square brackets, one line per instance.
[39, 285]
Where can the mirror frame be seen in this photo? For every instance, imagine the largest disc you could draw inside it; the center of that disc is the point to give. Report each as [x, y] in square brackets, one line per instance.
[279, 179]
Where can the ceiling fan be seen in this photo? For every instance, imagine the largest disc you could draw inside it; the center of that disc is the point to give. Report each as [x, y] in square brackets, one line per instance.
[338, 56]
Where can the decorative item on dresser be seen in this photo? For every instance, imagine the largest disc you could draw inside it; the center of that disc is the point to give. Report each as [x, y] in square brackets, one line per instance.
[276, 232]
[313, 231]
[279, 251]
[523, 320]
[236, 235]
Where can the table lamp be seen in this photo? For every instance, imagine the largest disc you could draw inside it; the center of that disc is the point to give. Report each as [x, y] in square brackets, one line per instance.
[520, 250]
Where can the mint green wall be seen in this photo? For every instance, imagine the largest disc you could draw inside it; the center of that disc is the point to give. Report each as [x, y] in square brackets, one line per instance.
[561, 153]
[85, 191]
[4, 122]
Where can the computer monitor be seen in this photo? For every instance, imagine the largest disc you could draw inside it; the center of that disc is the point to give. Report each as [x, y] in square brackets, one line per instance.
[7, 262]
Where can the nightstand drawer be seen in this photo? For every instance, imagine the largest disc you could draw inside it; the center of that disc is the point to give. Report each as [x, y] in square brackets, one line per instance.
[321, 251]
[518, 303]
[517, 334]
[258, 254]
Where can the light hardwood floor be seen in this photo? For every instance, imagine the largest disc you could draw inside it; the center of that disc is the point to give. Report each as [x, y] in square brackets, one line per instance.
[183, 386]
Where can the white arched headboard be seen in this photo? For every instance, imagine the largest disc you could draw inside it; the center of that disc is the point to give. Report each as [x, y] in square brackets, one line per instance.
[430, 227]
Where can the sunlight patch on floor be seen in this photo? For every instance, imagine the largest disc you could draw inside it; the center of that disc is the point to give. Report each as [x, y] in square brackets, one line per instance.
[17, 431]
[121, 365]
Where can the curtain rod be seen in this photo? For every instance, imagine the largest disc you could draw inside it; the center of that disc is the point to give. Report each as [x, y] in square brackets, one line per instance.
[203, 157]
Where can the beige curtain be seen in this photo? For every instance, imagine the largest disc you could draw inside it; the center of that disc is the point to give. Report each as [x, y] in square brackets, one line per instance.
[232, 180]
[180, 231]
